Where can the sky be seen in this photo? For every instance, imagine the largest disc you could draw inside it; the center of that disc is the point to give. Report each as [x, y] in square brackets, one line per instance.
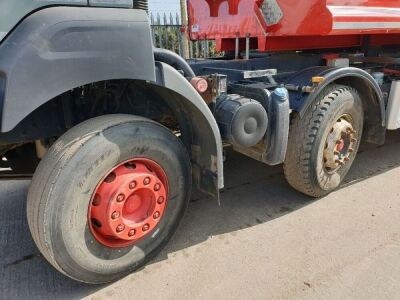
[160, 6]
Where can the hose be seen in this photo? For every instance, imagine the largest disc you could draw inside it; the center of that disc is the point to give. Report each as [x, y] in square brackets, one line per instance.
[173, 59]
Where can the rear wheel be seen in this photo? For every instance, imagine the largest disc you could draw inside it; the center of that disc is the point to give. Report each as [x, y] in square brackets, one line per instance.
[108, 196]
[324, 142]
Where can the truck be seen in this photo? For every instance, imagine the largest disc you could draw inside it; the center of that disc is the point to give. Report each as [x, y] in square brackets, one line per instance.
[117, 134]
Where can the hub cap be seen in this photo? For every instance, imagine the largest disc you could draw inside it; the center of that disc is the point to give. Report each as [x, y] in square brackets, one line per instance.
[128, 203]
[340, 144]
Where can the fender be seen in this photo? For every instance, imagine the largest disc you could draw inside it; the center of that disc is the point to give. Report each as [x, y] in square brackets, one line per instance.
[206, 142]
[60, 48]
[371, 94]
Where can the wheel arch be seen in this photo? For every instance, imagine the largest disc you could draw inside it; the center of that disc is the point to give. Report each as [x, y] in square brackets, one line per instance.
[369, 90]
[173, 97]
[198, 125]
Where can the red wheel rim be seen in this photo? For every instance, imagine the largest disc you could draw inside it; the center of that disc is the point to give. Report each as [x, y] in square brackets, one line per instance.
[128, 203]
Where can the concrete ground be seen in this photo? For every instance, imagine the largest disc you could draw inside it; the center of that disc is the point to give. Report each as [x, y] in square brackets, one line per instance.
[265, 241]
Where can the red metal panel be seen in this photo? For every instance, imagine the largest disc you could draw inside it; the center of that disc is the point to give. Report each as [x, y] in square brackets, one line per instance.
[304, 24]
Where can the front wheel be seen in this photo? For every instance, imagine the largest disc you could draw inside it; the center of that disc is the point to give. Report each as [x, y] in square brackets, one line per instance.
[108, 196]
[324, 142]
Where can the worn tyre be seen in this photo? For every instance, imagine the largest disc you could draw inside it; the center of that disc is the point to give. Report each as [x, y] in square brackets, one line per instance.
[104, 158]
[324, 142]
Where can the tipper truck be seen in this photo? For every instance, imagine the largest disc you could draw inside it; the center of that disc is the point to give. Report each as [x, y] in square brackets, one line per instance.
[117, 134]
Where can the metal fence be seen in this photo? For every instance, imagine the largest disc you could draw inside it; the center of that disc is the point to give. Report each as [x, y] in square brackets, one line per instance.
[167, 34]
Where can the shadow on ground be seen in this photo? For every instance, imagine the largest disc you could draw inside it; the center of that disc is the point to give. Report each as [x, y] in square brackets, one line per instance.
[254, 194]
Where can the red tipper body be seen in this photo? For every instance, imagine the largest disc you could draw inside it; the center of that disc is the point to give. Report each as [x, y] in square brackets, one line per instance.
[280, 25]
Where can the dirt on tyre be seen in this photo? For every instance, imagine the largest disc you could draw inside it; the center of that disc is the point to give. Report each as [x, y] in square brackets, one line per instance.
[323, 143]
[108, 196]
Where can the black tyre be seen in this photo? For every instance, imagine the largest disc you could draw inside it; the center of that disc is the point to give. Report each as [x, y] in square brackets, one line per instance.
[324, 142]
[108, 196]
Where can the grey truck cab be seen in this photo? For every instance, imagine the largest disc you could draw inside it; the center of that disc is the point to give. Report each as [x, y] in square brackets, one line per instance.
[78, 75]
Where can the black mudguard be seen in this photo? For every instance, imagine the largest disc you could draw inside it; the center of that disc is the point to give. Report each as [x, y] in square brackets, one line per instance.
[60, 48]
[374, 103]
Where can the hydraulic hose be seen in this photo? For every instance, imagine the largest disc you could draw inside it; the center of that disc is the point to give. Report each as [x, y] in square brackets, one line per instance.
[173, 59]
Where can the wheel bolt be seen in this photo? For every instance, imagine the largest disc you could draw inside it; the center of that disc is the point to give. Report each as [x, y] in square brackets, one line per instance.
[157, 187]
[156, 215]
[132, 232]
[146, 227]
[351, 150]
[346, 159]
[160, 200]
[353, 140]
[146, 181]
[339, 162]
[132, 185]
[120, 197]
[120, 227]
[115, 215]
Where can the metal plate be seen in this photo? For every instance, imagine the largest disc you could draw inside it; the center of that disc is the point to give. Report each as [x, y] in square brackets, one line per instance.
[272, 12]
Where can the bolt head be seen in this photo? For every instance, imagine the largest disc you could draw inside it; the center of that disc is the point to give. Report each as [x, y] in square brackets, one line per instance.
[120, 197]
[157, 187]
[351, 150]
[146, 181]
[132, 185]
[160, 200]
[115, 215]
[120, 228]
[156, 215]
[132, 232]
[146, 227]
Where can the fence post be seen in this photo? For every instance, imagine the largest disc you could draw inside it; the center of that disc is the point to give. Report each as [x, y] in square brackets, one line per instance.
[184, 23]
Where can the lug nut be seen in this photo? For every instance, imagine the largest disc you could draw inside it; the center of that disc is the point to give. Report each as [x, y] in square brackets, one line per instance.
[339, 162]
[156, 215]
[132, 185]
[120, 227]
[351, 150]
[157, 187]
[353, 140]
[132, 232]
[146, 227]
[346, 159]
[160, 200]
[146, 181]
[120, 197]
[115, 215]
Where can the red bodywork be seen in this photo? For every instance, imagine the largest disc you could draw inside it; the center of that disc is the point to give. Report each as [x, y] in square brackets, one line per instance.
[295, 24]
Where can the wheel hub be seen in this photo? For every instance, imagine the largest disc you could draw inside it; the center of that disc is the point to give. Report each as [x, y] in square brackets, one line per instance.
[340, 144]
[128, 203]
